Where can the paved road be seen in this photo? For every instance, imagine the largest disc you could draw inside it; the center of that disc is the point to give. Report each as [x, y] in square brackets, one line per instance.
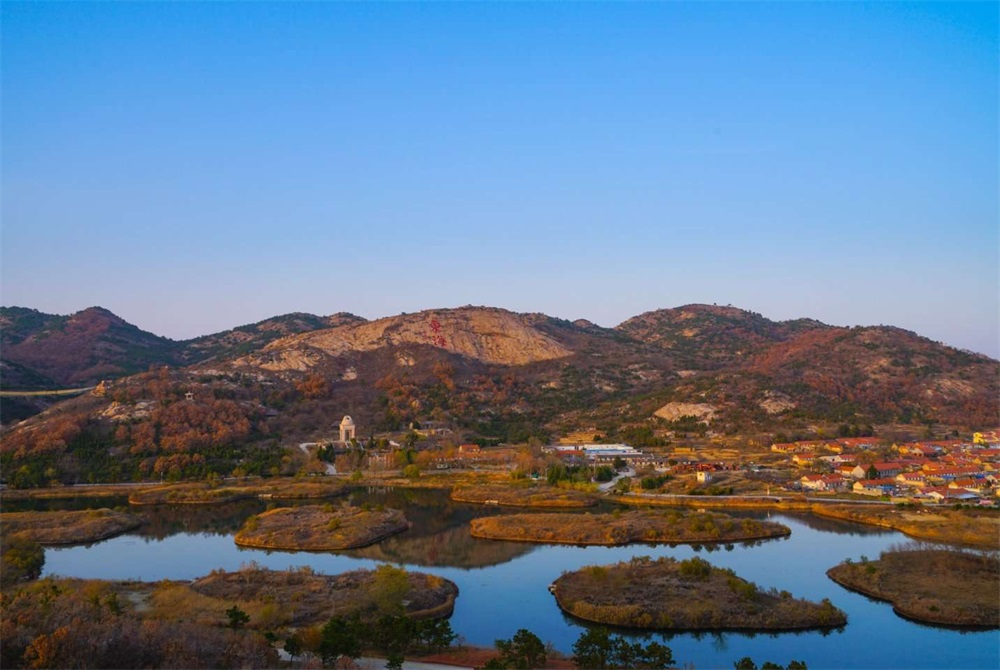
[772, 498]
[331, 469]
[607, 486]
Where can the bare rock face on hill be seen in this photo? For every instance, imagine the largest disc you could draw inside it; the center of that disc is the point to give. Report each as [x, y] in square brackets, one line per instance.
[488, 335]
[673, 411]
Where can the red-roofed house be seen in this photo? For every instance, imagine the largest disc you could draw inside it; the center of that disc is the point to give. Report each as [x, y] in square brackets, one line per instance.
[912, 479]
[846, 470]
[824, 483]
[874, 487]
[887, 469]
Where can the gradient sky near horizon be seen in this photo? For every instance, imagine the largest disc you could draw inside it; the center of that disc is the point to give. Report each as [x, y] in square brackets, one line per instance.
[197, 166]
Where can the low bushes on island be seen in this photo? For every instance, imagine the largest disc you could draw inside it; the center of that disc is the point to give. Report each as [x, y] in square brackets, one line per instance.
[320, 528]
[204, 493]
[301, 597]
[622, 528]
[222, 620]
[667, 594]
[931, 585]
[538, 495]
[68, 527]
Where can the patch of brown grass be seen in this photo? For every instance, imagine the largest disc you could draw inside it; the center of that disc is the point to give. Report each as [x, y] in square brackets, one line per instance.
[202, 493]
[320, 528]
[623, 528]
[667, 594]
[68, 527]
[937, 586]
[537, 495]
[974, 528]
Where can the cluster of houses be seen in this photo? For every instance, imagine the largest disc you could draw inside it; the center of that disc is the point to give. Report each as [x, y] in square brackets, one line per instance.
[603, 454]
[937, 471]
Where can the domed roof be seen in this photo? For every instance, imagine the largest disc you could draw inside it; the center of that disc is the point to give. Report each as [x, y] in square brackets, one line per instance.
[347, 421]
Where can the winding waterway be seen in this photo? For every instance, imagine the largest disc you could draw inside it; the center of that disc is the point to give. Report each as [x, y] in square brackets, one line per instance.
[504, 585]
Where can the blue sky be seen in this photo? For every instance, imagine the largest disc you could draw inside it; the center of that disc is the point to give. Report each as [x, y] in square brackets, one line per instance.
[197, 166]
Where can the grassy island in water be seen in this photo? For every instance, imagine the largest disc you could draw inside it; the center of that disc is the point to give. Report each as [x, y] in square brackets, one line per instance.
[67, 527]
[623, 528]
[667, 594]
[930, 585]
[522, 496]
[320, 528]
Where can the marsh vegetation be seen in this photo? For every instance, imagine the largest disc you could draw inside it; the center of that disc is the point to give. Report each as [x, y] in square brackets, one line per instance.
[667, 594]
[624, 527]
[67, 527]
[930, 584]
[320, 528]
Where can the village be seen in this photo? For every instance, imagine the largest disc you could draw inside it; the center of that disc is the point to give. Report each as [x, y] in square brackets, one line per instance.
[930, 472]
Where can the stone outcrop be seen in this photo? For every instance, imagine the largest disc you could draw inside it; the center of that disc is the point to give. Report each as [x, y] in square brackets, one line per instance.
[489, 335]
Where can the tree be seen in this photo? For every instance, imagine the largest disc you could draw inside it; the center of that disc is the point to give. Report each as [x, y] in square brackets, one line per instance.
[623, 485]
[599, 649]
[21, 560]
[604, 473]
[593, 649]
[745, 663]
[872, 472]
[340, 637]
[523, 651]
[237, 617]
[293, 645]
[390, 586]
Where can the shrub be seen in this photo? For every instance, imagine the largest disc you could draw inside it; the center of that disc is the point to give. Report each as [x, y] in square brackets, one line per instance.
[695, 568]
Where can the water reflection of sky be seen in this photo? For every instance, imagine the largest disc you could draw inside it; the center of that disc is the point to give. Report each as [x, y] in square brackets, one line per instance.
[496, 600]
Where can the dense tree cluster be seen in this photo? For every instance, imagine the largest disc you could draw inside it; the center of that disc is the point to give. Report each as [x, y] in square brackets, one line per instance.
[393, 634]
[20, 560]
[597, 648]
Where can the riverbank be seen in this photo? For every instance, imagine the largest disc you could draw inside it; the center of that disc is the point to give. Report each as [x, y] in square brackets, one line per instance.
[224, 619]
[320, 528]
[617, 528]
[200, 493]
[934, 586]
[530, 495]
[67, 527]
[973, 528]
[970, 527]
[667, 594]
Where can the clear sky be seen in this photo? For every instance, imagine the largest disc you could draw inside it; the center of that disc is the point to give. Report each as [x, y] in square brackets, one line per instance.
[197, 166]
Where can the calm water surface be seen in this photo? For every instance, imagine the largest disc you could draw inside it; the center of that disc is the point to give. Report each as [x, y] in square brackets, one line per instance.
[504, 585]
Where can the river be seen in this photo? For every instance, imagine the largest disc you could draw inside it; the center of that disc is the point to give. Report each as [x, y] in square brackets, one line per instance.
[504, 585]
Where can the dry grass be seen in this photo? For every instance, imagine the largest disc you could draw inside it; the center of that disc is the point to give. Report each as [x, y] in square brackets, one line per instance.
[623, 528]
[936, 586]
[516, 495]
[62, 527]
[200, 493]
[320, 528]
[667, 594]
[974, 528]
[295, 597]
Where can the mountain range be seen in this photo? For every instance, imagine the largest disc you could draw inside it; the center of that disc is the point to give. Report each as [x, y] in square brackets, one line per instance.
[492, 375]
